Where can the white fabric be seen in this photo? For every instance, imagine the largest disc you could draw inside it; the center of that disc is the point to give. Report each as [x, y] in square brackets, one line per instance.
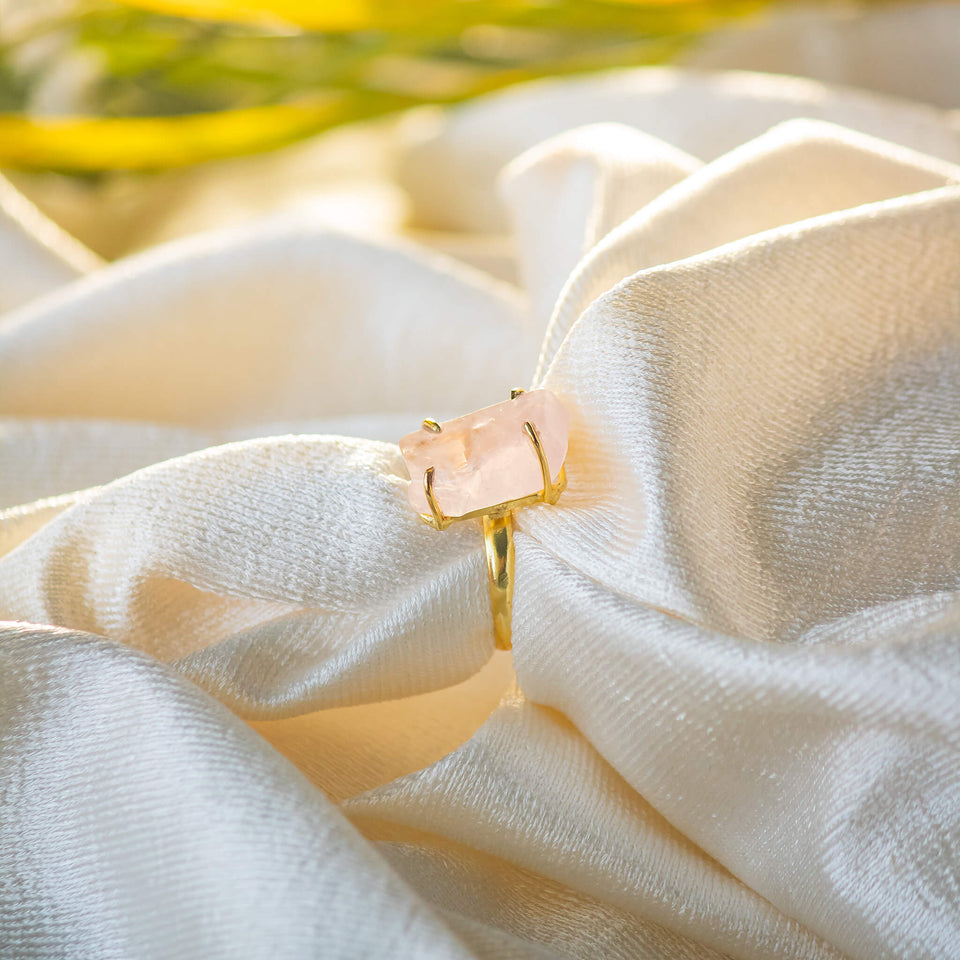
[37, 255]
[734, 724]
[569, 192]
[452, 162]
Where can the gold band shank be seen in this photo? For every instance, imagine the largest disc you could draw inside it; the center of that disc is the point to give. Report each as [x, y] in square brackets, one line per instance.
[498, 538]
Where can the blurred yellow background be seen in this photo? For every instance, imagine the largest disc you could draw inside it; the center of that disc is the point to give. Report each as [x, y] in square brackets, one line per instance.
[150, 84]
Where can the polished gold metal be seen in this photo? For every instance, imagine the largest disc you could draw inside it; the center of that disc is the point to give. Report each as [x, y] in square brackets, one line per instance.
[498, 539]
[551, 491]
[498, 528]
[438, 521]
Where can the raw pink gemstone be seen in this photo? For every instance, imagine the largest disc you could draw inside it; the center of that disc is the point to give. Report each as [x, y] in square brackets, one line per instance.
[486, 458]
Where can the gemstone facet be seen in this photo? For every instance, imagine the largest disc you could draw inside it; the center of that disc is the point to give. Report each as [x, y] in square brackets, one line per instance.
[487, 458]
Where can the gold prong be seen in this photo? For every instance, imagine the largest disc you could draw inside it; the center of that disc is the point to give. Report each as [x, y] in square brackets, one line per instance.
[439, 520]
[531, 432]
[432, 425]
[515, 392]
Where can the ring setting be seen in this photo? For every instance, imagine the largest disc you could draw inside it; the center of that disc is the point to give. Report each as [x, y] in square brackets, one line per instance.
[486, 465]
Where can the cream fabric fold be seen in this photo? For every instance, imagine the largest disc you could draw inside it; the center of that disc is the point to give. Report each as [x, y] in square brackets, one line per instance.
[607, 841]
[40, 256]
[347, 750]
[569, 192]
[276, 322]
[327, 608]
[452, 161]
[47, 457]
[789, 455]
[183, 846]
[465, 883]
[736, 644]
[825, 777]
[797, 170]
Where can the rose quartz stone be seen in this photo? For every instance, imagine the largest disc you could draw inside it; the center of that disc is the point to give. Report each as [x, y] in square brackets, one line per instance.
[486, 458]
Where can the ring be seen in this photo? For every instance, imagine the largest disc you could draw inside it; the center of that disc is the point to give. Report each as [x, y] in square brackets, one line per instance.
[486, 465]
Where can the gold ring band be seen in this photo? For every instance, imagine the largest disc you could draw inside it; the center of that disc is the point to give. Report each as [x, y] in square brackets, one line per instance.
[498, 538]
